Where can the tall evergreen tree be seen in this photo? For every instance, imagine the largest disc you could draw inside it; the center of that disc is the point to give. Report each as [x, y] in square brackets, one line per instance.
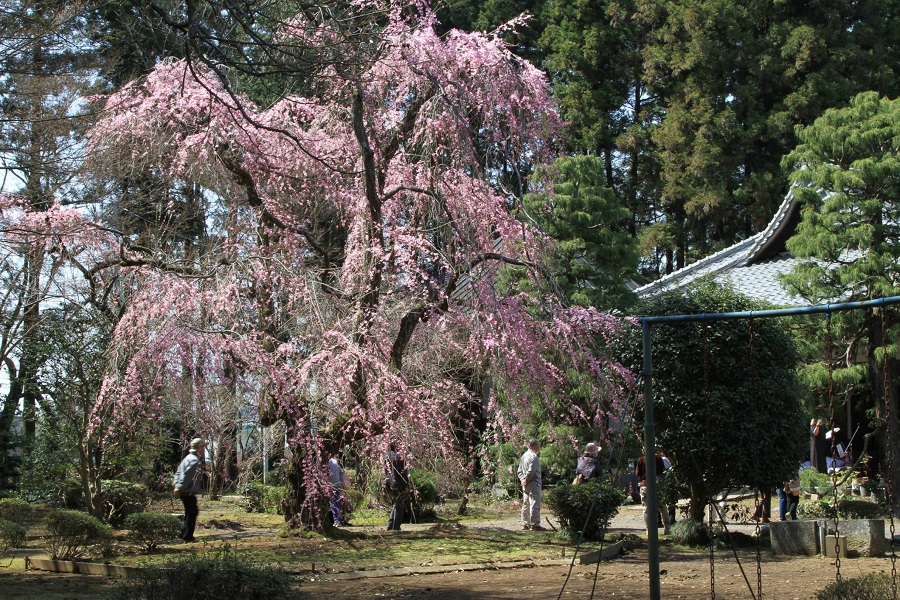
[738, 76]
[846, 170]
[593, 254]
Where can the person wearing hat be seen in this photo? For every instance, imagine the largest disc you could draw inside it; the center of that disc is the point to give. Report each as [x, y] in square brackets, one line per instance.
[529, 473]
[588, 463]
[187, 484]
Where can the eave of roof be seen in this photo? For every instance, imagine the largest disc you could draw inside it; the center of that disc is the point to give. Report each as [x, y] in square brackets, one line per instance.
[751, 266]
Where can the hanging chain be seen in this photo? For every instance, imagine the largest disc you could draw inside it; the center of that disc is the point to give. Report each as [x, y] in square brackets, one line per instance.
[758, 556]
[889, 472]
[829, 357]
[712, 552]
[753, 399]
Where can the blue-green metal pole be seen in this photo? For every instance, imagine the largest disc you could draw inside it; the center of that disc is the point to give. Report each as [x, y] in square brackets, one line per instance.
[650, 465]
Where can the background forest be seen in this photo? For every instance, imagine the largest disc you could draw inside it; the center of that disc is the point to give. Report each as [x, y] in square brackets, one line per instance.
[349, 223]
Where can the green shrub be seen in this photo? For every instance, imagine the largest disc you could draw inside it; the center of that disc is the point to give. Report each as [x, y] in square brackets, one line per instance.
[15, 510]
[262, 498]
[12, 535]
[71, 533]
[572, 503]
[70, 494]
[847, 508]
[122, 498]
[422, 497]
[860, 509]
[223, 575]
[810, 479]
[151, 529]
[688, 532]
[874, 586]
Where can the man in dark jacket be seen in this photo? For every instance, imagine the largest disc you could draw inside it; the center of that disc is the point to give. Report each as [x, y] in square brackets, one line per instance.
[396, 483]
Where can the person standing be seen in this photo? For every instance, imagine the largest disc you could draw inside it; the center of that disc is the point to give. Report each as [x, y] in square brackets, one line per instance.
[792, 498]
[763, 510]
[640, 471]
[338, 482]
[529, 473]
[588, 464]
[818, 445]
[187, 483]
[396, 482]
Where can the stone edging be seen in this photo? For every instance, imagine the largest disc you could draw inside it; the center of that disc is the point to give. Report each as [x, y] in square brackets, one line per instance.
[80, 568]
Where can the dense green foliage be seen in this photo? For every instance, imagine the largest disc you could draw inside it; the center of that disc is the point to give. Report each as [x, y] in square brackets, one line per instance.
[847, 176]
[15, 510]
[847, 508]
[122, 498]
[12, 535]
[223, 575]
[586, 508]
[594, 253]
[151, 529]
[725, 394]
[688, 532]
[72, 533]
[874, 586]
[261, 498]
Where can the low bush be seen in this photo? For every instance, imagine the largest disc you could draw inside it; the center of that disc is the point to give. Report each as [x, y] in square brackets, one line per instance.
[577, 509]
[810, 479]
[260, 498]
[151, 529]
[874, 586]
[72, 533]
[15, 510]
[70, 494]
[423, 497]
[688, 532]
[12, 535]
[848, 508]
[223, 575]
[123, 498]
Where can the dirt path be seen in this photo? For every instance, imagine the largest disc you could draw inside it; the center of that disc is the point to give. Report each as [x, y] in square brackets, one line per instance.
[683, 574]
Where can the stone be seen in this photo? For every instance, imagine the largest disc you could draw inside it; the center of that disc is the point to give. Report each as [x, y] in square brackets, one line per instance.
[608, 552]
[865, 537]
[835, 546]
[794, 537]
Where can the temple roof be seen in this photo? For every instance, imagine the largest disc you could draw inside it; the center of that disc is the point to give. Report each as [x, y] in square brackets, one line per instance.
[750, 266]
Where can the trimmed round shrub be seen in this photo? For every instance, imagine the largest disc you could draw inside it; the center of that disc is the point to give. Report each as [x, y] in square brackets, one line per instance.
[223, 575]
[576, 508]
[12, 535]
[874, 586]
[72, 533]
[150, 529]
[122, 498]
[15, 510]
